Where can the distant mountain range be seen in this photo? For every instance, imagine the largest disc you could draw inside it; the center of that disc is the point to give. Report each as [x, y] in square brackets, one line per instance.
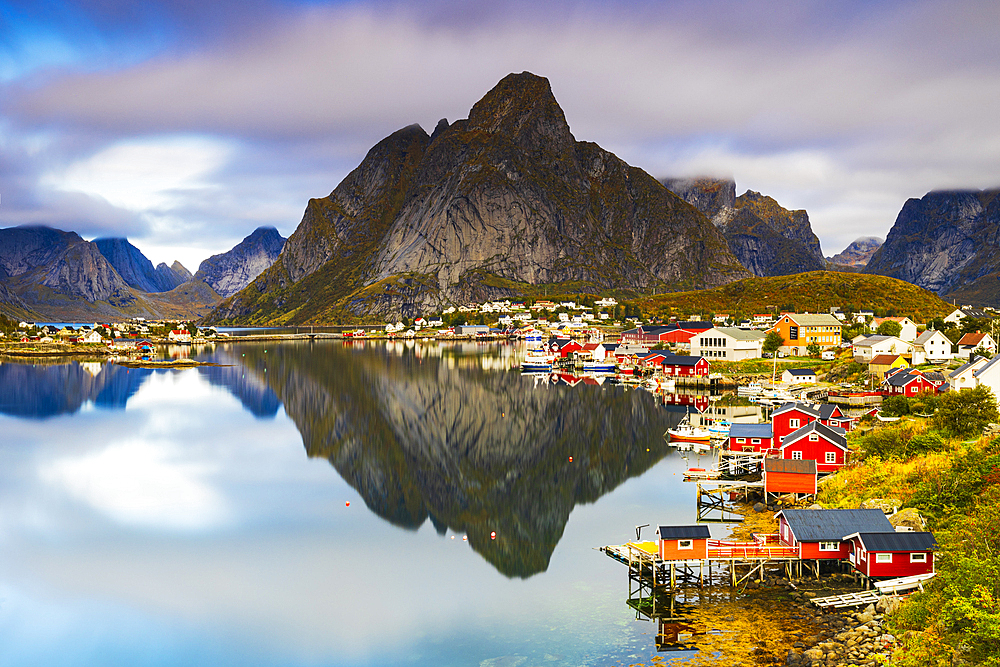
[51, 275]
[858, 253]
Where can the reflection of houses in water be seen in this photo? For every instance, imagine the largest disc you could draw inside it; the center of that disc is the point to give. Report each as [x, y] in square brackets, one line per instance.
[671, 635]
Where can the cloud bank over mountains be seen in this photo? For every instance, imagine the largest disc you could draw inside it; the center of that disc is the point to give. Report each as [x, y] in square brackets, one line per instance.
[184, 125]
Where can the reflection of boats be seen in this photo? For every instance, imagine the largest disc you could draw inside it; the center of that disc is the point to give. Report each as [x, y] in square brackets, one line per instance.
[599, 367]
[690, 446]
[537, 360]
[685, 431]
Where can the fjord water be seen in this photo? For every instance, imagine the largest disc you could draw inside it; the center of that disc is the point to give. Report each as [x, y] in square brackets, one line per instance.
[201, 517]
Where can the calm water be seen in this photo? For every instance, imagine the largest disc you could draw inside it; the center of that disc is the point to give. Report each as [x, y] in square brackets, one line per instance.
[200, 516]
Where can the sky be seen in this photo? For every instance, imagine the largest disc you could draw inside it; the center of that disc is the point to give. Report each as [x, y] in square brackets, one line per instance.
[184, 125]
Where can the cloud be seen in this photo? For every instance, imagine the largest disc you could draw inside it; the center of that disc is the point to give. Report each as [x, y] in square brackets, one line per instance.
[817, 104]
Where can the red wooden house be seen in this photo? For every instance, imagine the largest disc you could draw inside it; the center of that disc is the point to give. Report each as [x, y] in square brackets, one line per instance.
[652, 359]
[564, 346]
[790, 417]
[782, 476]
[683, 542]
[832, 415]
[891, 555]
[819, 534]
[910, 382]
[825, 445]
[676, 332]
[685, 366]
[750, 437]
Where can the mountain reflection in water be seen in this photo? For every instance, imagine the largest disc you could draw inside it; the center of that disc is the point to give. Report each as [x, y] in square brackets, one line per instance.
[462, 441]
[439, 432]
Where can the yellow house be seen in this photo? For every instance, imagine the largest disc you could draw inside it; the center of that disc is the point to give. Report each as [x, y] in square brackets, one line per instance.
[883, 363]
[800, 330]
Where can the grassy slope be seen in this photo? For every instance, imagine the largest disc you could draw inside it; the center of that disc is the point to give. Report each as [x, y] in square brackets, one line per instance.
[815, 291]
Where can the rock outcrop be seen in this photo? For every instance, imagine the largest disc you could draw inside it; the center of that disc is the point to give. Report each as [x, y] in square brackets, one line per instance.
[136, 270]
[767, 239]
[858, 253]
[229, 272]
[947, 242]
[505, 197]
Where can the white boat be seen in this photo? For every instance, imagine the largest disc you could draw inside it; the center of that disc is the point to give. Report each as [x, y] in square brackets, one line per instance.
[878, 415]
[685, 431]
[599, 367]
[720, 428]
[537, 360]
[752, 389]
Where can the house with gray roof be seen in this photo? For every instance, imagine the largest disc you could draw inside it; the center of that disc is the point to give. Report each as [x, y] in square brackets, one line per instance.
[932, 346]
[729, 343]
[820, 533]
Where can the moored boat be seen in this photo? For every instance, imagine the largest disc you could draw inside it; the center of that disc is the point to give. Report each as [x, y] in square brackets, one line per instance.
[536, 360]
[685, 431]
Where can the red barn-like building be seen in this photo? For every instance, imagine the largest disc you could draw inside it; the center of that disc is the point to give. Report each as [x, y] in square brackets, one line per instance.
[825, 445]
[675, 365]
[786, 476]
[750, 437]
[790, 417]
[820, 534]
[891, 555]
[683, 542]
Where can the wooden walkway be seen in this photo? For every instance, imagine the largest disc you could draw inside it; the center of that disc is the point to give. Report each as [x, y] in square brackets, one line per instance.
[847, 600]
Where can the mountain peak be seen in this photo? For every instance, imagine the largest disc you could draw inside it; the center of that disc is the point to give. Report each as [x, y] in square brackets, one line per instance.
[523, 107]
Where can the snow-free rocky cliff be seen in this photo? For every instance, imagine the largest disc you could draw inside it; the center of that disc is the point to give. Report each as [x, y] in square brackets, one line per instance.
[505, 197]
[229, 272]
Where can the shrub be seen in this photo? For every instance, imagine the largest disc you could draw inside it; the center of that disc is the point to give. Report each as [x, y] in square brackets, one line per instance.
[966, 413]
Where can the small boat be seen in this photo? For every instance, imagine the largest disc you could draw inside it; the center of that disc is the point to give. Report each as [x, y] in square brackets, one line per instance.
[685, 431]
[537, 360]
[598, 367]
[720, 428]
[878, 415]
[700, 473]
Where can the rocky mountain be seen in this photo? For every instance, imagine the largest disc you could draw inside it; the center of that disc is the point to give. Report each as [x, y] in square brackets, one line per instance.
[229, 272]
[49, 274]
[136, 270]
[483, 207]
[947, 242]
[857, 253]
[767, 239]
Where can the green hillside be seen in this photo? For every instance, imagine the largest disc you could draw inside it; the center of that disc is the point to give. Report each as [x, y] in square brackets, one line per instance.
[815, 291]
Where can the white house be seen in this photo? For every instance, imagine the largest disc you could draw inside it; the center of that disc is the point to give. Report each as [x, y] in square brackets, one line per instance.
[728, 343]
[798, 376]
[872, 346]
[933, 346]
[963, 377]
[970, 342]
[179, 335]
[909, 327]
[961, 313]
[988, 375]
[92, 337]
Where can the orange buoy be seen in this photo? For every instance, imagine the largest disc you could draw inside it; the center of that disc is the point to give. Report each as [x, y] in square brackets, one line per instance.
[571, 459]
[493, 535]
[465, 538]
[348, 503]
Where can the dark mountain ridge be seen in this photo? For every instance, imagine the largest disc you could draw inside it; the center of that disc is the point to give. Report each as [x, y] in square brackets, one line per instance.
[229, 272]
[136, 270]
[767, 239]
[506, 196]
[947, 242]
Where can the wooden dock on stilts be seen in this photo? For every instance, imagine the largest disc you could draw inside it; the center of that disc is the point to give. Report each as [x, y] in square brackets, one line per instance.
[715, 496]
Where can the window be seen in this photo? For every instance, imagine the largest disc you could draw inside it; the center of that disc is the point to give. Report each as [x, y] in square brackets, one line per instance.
[793, 423]
[918, 558]
[829, 546]
[754, 441]
[883, 558]
[740, 441]
[685, 544]
[796, 456]
[831, 457]
[813, 437]
[747, 448]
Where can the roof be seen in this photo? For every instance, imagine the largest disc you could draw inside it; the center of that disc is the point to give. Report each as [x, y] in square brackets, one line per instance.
[874, 340]
[801, 407]
[907, 541]
[834, 434]
[826, 410]
[680, 360]
[683, 532]
[801, 467]
[800, 371]
[815, 525]
[964, 367]
[985, 366]
[926, 336]
[741, 334]
[974, 313]
[814, 320]
[972, 338]
[883, 360]
[904, 377]
[750, 431]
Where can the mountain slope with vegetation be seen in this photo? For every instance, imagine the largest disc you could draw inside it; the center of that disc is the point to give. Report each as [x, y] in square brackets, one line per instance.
[815, 291]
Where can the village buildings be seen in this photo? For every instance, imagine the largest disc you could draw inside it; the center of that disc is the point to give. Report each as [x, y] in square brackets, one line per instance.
[800, 330]
[728, 344]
